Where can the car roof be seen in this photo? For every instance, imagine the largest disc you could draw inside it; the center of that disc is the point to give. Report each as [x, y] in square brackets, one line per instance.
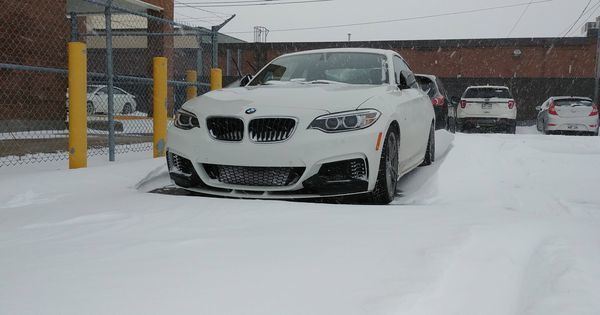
[428, 76]
[355, 50]
[488, 87]
[570, 97]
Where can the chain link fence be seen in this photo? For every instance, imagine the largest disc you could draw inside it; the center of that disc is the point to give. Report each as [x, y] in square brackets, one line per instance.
[121, 44]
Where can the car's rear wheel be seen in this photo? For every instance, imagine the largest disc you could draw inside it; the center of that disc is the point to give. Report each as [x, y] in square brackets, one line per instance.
[91, 109]
[512, 128]
[387, 177]
[430, 152]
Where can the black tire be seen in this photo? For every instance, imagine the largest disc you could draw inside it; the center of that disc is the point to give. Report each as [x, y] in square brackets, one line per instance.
[127, 109]
[458, 125]
[387, 176]
[91, 109]
[451, 125]
[512, 128]
[430, 152]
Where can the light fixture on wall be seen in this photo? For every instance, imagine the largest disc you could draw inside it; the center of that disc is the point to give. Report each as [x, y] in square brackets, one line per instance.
[517, 53]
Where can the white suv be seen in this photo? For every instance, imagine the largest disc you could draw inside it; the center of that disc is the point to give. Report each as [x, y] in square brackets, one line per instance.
[490, 107]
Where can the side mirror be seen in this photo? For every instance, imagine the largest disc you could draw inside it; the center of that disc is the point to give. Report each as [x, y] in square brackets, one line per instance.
[538, 108]
[245, 80]
[403, 85]
[454, 100]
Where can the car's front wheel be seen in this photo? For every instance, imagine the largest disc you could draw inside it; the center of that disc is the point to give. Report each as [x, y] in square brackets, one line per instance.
[387, 177]
[91, 109]
[127, 109]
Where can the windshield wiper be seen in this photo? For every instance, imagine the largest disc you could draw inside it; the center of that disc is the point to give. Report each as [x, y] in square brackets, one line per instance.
[323, 82]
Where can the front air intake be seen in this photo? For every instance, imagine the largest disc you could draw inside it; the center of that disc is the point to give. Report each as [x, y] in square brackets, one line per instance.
[271, 129]
[225, 128]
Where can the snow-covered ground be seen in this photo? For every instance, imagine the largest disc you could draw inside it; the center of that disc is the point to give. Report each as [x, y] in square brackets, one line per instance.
[501, 224]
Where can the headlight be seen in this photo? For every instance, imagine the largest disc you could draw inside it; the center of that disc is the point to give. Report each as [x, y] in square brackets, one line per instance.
[186, 120]
[346, 121]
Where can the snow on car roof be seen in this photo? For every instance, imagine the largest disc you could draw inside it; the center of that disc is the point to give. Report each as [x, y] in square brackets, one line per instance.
[429, 76]
[355, 50]
[487, 86]
[570, 97]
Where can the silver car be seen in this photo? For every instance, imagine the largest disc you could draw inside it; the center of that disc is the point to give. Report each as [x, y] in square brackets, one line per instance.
[561, 114]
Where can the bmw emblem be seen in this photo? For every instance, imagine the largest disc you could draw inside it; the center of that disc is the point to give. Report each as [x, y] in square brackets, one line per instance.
[250, 111]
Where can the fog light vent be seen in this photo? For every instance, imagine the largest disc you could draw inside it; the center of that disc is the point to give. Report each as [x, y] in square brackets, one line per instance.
[344, 170]
[179, 165]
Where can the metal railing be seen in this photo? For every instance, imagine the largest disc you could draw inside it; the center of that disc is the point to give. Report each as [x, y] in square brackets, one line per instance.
[121, 44]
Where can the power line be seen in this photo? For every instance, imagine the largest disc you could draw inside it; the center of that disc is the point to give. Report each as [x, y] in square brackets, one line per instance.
[217, 14]
[519, 19]
[402, 19]
[590, 13]
[578, 18]
[231, 2]
[196, 5]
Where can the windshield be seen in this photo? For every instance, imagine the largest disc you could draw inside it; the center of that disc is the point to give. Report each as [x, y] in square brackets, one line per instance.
[487, 93]
[342, 67]
[573, 102]
[91, 89]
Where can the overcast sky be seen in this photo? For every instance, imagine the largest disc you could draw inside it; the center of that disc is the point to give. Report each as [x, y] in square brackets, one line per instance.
[548, 19]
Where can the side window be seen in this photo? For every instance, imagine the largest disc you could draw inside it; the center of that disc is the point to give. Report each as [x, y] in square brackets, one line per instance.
[441, 87]
[397, 69]
[119, 92]
[401, 70]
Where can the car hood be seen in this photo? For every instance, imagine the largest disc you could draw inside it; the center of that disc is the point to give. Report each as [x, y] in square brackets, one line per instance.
[311, 97]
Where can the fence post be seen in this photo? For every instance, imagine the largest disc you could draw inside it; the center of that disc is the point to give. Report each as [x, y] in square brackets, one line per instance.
[191, 77]
[214, 41]
[74, 30]
[228, 62]
[199, 58]
[110, 81]
[160, 105]
[216, 79]
[77, 104]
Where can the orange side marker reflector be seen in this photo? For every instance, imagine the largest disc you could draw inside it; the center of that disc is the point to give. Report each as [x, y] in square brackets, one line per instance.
[378, 145]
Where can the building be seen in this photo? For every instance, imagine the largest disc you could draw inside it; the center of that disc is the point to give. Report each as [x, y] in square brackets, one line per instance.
[36, 32]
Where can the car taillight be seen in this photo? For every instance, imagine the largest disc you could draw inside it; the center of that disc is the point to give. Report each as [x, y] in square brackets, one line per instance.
[594, 110]
[552, 109]
[437, 101]
[463, 104]
[511, 104]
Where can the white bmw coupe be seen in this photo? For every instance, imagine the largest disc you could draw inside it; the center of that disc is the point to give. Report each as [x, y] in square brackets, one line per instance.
[329, 122]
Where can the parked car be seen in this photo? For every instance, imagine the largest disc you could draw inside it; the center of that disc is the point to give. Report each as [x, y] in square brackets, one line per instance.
[97, 100]
[490, 107]
[568, 114]
[434, 88]
[330, 122]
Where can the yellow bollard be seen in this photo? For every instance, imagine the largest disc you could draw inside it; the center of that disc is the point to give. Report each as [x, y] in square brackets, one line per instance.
[191, 76]
[160, 105]
[216, 79]
[77, 104]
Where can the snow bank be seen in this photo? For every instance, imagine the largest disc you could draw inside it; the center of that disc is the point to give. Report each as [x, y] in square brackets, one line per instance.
[501, 224]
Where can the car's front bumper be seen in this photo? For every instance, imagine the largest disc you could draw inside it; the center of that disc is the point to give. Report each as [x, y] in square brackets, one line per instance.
[308, 150]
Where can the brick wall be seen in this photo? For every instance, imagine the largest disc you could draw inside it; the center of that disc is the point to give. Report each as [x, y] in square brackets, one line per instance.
[544, 67]
[33, 33]
[486, 58]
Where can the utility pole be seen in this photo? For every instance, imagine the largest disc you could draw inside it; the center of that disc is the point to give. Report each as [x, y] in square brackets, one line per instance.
[214, 36]
[597, 75]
